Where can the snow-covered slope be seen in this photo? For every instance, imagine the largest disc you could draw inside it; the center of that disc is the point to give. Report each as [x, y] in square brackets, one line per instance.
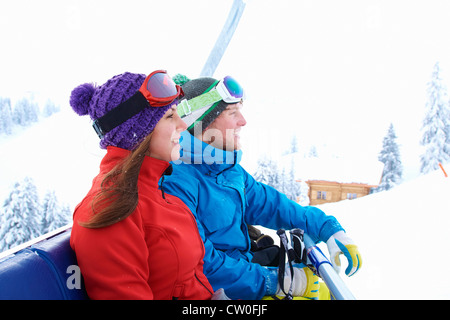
[403, 235]
[59, 153]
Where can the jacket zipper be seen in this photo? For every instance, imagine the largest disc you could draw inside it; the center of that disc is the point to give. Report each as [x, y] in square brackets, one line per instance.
[202, 284]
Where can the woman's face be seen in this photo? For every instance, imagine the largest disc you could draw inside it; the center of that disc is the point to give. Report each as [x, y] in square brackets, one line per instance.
[164, 143]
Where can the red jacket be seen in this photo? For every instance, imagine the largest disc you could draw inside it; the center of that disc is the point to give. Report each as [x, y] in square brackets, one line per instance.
[155, 253]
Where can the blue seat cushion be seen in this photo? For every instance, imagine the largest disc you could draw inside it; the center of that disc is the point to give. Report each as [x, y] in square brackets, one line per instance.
[58, 254]
[25, 276]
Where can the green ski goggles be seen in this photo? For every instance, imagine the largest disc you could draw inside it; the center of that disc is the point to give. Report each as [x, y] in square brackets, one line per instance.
[227, 89]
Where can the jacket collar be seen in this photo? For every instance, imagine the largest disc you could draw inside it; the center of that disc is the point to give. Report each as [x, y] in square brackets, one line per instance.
[152, 169]
[197, 152]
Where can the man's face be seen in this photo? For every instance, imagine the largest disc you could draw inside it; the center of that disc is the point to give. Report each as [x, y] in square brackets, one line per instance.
[224, 132]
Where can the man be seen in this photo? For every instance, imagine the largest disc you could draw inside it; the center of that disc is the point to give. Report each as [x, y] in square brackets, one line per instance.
[224, 198]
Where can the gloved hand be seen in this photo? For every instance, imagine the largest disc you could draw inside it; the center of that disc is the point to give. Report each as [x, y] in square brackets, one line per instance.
[220, 294]
[340, 243]
[304, 283]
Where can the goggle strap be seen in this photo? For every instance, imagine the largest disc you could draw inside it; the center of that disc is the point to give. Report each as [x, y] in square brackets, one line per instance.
[187, 107]
[184, 108]
[204, 115]
[120, 114]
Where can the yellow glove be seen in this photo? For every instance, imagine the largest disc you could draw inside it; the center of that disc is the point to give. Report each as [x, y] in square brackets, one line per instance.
[340, 243]
[304, 283]
[312, 284]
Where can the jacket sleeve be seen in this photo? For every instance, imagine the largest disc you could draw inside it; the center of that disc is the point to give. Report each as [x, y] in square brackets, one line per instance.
[113, 260]
[272, 209]
[238, 277]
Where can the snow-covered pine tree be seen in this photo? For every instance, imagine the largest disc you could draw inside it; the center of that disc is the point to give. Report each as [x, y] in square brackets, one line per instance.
[293, 147]
[32, 205]
[19, 114]
[293, 190]
[13, 231]
[53, 215]
[25, 112]
[436, 124]
[50, 108]
[283, 183]
[304, 194]
[312, 152]
[294, 144]
[66, 212]
[20, 215]
[33, 111]
[6, 122]
[390, 157]
[267, 172]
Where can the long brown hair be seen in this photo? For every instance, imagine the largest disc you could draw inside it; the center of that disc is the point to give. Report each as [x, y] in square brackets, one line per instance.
[118, 195]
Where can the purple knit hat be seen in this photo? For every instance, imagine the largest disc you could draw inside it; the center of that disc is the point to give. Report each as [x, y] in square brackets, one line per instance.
[97, 101]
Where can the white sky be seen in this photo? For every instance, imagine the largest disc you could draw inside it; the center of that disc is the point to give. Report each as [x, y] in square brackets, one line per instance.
[323, 70]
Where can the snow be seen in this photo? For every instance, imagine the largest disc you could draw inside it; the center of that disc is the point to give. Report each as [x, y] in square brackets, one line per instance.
[403, 235]
[59, 153]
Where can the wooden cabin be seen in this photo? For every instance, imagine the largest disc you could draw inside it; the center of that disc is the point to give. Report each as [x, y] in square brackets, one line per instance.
[322, 191]
[332, 179]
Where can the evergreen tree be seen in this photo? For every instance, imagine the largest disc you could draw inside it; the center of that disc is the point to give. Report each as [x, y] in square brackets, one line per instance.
[32, 206]
[50, 108]
[20, 113]
[267, 172]
[390, 157]
[304, 194]
[25, 112]
[293, 148]
[293, 188]
[13, 232]
[6, 122]
[436, 125]
[66, 214]
[49, 212]
[53, 215]
[283, 184]
[312, 152]
[20, 217]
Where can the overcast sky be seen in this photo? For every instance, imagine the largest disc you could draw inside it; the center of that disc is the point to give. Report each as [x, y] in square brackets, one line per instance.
[333, 73]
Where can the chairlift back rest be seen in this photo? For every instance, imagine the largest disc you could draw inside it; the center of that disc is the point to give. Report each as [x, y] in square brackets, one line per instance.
[46, 270]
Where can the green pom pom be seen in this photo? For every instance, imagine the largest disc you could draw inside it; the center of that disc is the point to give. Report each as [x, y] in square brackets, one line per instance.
[180, 79]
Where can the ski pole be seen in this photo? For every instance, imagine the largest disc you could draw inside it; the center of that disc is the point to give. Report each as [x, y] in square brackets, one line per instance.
[326, 271]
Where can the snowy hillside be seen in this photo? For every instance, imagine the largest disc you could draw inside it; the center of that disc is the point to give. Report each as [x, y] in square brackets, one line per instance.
[59, 153]
[403, 235]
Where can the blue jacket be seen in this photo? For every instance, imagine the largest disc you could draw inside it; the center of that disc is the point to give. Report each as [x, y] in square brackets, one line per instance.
[224, 197]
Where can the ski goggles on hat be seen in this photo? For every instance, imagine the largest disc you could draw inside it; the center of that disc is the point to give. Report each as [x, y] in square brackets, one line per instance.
[227, 89]
[157, 90]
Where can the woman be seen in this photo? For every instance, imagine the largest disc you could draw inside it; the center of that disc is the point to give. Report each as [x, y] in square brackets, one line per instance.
[133, 241]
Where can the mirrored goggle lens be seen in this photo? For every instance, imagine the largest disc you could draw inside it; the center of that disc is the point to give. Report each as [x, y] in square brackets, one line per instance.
[160, 85]
[233, 87]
